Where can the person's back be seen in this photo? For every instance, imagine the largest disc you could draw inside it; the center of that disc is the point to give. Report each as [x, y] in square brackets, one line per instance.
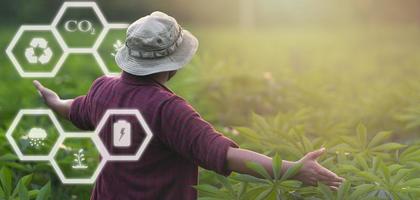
[166, 169]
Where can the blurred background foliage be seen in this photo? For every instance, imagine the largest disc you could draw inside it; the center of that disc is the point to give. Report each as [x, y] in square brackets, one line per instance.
[278, 76]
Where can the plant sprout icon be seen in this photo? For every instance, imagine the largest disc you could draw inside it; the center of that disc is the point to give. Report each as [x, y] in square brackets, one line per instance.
[117, 45]
[36, 137]
[78, 160]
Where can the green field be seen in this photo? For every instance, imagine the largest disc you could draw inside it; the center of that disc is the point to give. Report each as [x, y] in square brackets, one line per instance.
[282, 91]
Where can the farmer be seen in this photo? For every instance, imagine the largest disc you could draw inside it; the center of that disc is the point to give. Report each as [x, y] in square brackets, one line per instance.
[155, 48]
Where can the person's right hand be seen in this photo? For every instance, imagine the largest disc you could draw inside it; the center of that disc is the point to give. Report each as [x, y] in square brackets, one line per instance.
[312, 172]
[52, 100]
[50, 97]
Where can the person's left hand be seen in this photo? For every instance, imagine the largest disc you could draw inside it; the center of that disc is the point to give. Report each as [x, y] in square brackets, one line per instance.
[312, 172]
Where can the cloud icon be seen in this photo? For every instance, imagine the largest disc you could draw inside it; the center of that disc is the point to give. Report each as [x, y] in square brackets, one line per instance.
[37, 133]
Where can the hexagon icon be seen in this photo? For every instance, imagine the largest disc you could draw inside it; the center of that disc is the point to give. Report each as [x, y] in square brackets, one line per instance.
[36, 51]
[34, 133]
[77, 160]
[107, 46]
[79, 23]
[124, 133]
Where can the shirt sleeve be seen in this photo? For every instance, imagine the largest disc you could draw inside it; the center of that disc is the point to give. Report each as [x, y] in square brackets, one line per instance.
[184, 131]
[81, 108]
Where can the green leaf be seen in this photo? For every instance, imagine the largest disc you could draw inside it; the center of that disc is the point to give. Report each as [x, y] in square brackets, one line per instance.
[249, 179]
[362, 162]
[208, 190]
[242, 188]
[259, 169]
[8, 157]
[412, 182]
[388, 147]
[362, 134]
[412, 150]
[254, 192]
[225, 182]
[33, 194]
[277, 164]
[369, 177]
[395, 167]
[307, 145]
[362, 190]
[25, 181]
[385, 172]
[209, 198]
[350, 141]
[2, 194]
[378, 138]
[411, 190]
[292, 184]
[291, 171]
[264, 194]
[325, 191]
[23, 192]
[348, 168]
[248, 133]
[401, 174]
[44, 192]
[6, 181]
[375, 163]
[260, 122]
[343, 190]
[18, 166]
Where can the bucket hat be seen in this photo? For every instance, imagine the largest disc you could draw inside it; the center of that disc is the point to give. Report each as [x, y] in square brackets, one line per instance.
[155, 43]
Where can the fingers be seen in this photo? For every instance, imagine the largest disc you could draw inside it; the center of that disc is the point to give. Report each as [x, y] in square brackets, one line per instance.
[333, 188]
[38, 85]
[327, 175]
[315, 154]
[47, 94]
[332, 184]
[313, 181]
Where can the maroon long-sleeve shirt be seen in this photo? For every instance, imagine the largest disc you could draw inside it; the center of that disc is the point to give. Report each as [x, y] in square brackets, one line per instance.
[182, 140]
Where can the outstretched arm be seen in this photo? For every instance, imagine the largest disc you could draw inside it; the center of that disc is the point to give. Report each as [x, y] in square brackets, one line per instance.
[310, 174]
[62, 107]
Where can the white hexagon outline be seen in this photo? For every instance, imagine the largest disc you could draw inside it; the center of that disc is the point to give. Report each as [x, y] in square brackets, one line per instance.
[66, 50]
[143, 124]
[15, 62]
[97, 143]
[96, 10]
[98, 43]
[15, 147]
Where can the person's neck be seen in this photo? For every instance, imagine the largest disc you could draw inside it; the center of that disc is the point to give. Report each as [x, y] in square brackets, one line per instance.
[161, 78]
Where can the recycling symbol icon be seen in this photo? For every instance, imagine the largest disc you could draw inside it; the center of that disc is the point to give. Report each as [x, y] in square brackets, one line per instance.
[33, 57]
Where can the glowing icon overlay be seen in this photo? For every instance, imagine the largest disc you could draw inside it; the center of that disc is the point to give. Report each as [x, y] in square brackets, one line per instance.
[107, 50]
[31, 55]
[122, 133]
[117, 45]
[36, 137]
[74, 36]
[84, 26]
[79, 159]
[33, 141]
[83, 166]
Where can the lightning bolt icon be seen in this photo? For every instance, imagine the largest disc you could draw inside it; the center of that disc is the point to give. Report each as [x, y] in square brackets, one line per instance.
[122, 133]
